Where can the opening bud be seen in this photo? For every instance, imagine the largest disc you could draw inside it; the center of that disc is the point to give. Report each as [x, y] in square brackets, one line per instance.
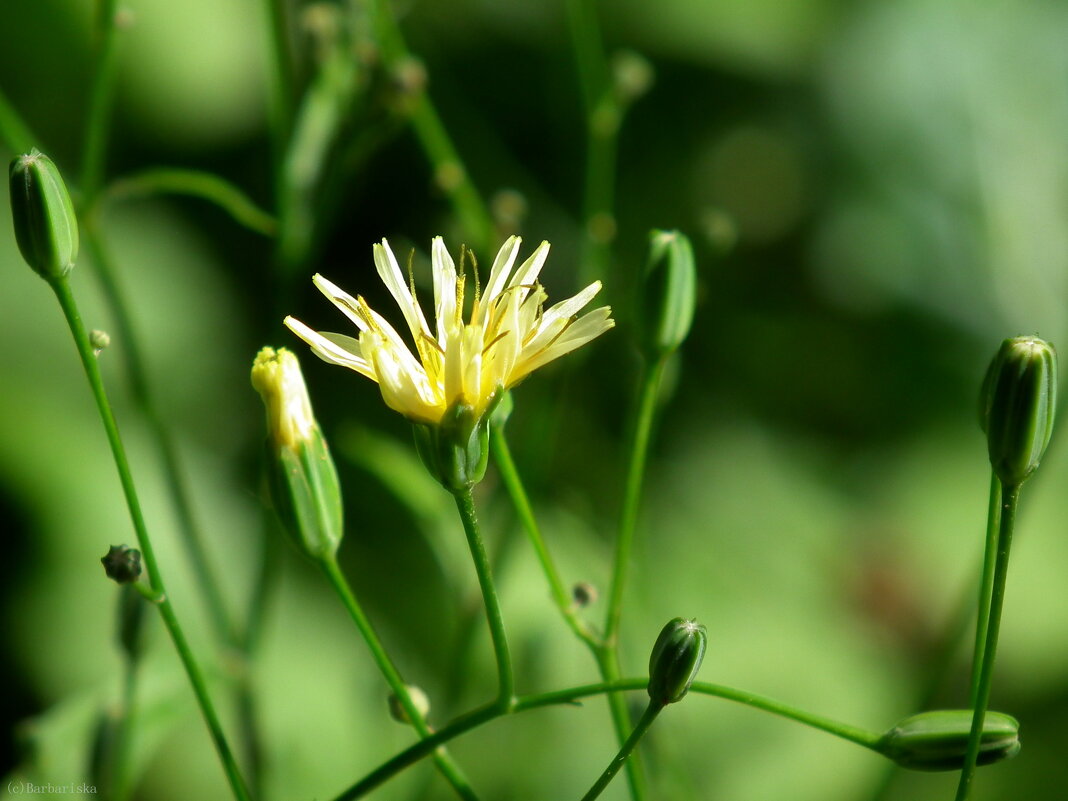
[46, 227]
[302, 478]
[1017, 406]
[668, 293]
[938, 740]
[675, 660]
[456, 449]
[419, 700]
[122, 564]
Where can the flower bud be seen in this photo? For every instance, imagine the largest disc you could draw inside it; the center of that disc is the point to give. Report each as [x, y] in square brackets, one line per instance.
[675, 660]
[456, 449]
[584, 594]
[301, 474]
[419, 700]
[939, 740]
[1017, 406]
[46, 227]
[668, 293]
[122, 564]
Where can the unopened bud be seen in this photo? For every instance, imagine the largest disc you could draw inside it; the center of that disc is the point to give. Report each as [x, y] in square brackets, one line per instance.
[46, 227]
[939, 740]
[302, 478]
[675, 660]
[99, 340]
[632, 75]
[122, 564]
[668, 293]
[419, 701]
[584, 594]
[1017, 406]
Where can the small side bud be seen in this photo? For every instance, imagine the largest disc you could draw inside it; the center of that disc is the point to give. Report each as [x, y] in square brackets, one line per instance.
[675, 660]
[938, 740]
[122, 564]
[584, 594]
[303, 481]
[456, 449]
[1017, 406]
[99, 340]
[419, 701]
[668, 293]
[46, 227]
[632, 75]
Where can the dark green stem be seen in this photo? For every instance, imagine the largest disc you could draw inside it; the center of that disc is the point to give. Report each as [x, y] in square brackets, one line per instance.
[101, 93]
[617, 762]
[14, 132]
[986, 584]
[443, 761]
[465, 504]
[92, 370]
[1010, 496]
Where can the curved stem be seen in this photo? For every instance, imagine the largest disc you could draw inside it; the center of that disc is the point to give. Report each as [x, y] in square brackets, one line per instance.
[502, 456]
[92, 370]
[445, 764]
[465, 504]
[485, 714]
[617, 762]
[1010, 498]
[986, 584]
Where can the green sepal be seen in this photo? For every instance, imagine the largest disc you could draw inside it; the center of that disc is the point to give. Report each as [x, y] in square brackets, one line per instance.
[938, 740]
[306, 495]
[46, 228]
[456, 449]
[668, 293]
[675, 660]
[1018, 405]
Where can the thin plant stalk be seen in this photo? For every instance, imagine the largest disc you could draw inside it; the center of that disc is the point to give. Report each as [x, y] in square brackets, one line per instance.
[101, 95]
[1010, 496]
[14, 132]
[445, 764]
[986, 584]
[61, 287]
[642, 726]
[465, 505]
[572, 695]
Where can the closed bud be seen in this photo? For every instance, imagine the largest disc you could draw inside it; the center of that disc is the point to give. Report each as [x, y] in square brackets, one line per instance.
[419, 701]
[302, 478]
[456, 449]
[668, 293]
[939, 740]
[1017, 406]
[675, 660]
[122, 564]
[46, 228]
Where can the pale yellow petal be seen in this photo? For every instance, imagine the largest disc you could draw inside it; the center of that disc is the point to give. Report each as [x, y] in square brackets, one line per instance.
[502, 268]
[586, 328]
[390, 273]
[333, 348]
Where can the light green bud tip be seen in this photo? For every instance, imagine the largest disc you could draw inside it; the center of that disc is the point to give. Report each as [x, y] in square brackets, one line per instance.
[303, 481]
[419, 701]
[46, 228]
[675, 660]
[939, 740]
[1017, 406]
[668, 293]
[456, 449]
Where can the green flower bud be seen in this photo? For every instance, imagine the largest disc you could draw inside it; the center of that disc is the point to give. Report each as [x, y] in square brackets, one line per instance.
[301, 475]
[1017, 406]
[456, 449]
[46, 228]
[122, 564]
[675, 660]
[419, 700]
[668, 293]
[939, 740]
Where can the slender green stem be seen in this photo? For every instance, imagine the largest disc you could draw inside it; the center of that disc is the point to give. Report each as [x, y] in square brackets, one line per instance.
[608, 665]
[572, 695]
[449, 169]
[502, 456]
[465, 504]
[92, 370]
[101, 94]
[196, 183]
[281, 66]
[15, 134]
[986, 584]
[120, 769]
[642, 726]
[442, 760]
[1010, 496]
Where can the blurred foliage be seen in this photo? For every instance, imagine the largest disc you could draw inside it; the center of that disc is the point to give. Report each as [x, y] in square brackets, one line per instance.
[877, 196]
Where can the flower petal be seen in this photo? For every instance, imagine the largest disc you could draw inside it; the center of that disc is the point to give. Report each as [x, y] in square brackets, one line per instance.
[586, 328]
[390, 273]
[333, 348]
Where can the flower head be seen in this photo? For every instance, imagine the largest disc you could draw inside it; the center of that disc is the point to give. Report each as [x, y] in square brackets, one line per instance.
[508, 334]
[276, 376]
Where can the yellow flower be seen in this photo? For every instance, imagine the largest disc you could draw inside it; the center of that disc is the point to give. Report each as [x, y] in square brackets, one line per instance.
[276, 376]
[509, 333]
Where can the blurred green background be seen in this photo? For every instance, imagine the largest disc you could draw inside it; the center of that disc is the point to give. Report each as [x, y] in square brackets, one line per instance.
[877, 194]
